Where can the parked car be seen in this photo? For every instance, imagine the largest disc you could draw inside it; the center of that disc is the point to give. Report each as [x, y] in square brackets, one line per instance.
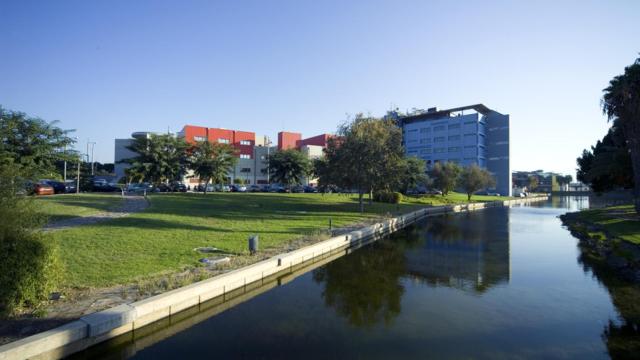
[255, 188]
[310, 189]
[103, 185]
[277, 188]
[297, 189]
[70, 186]
[140, 188]
[58, 187]
[489, 193]
[238, 188]
[178, 187]
[41, 188]
[434, 192]
[264, 187]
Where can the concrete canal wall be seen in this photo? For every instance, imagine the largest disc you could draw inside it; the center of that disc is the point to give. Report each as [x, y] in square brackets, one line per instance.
[97, 327]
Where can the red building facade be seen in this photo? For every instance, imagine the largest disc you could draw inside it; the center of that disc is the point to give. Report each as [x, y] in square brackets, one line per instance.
[290, 140]
[241, 140]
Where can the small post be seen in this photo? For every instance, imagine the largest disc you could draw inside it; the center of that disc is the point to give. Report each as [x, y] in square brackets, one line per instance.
[330, 225]
[253, 244]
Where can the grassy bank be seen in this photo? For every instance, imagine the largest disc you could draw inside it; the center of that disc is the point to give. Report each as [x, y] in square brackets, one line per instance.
[618, 221]
[61, 207]
[162, 238]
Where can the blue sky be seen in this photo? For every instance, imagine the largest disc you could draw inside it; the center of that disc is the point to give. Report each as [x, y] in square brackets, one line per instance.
[110, 68]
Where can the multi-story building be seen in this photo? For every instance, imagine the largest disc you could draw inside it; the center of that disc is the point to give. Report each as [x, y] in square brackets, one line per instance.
[464, 135]
[252, 151]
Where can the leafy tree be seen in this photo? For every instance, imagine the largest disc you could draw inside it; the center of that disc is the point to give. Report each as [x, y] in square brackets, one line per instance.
[533, 183]
[289, 167]
[212, 162]
[445, 176]
[474, 178]
[608, 164]
[366, 156]
[33, 145]
[621, 103]
[160, 159]
[413, 173]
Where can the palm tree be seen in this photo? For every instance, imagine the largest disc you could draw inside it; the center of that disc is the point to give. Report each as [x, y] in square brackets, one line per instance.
[621, 104]
[159, 159]
[212, 162]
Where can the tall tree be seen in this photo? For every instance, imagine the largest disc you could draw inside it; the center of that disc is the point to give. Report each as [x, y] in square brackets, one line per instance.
[607, 165]
[474, 178]
[211, 162]
[289, 167]
[160, 159]
[366, 156]
[445, 176]
[33, 145]
[621, 103]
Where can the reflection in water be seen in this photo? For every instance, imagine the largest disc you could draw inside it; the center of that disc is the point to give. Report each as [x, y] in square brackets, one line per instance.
[469, 252]
[622, 337]
[466, 251]
[365, 286]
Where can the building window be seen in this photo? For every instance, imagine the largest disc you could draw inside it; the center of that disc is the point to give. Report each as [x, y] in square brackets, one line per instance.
[245, 142]
[223, 141]
[245, 170]
[199, 138]
[454, 126]
[469, 135]
[413, 141]
[413, 130]
[454, 149]
[425, 151]
[425, 130]
[454, 137]
[425, 141]
[469, 122]
[245, 156]
[439, 150]
[438, 139]
[438, 128]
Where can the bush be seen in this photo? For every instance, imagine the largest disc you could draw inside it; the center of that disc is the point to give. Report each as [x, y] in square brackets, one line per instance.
[388, 197]
[29, 269]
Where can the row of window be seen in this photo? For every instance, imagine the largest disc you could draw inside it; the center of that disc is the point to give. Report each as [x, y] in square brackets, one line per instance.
[221, 140]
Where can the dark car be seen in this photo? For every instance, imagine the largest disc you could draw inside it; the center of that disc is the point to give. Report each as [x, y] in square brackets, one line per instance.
[70, 186]
[310, 189]
[297, 189]
[255, 188]
[58, 187]
[179, 187]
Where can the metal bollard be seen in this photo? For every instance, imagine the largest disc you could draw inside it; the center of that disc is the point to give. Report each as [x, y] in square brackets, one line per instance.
[253, 244]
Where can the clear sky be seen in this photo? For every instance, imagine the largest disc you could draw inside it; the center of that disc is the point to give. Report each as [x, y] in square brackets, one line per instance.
[108, 68]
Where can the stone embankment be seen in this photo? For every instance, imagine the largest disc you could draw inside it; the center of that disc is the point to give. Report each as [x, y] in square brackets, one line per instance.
[97, 327]
[619, 255]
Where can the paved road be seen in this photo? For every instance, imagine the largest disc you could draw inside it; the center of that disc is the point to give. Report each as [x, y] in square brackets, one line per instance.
[131, 205]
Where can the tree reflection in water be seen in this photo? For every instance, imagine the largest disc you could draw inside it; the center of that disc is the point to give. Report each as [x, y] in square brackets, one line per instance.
[621, 337]
[365, 286]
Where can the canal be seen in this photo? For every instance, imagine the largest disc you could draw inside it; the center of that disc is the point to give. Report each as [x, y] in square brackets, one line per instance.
[497, 283]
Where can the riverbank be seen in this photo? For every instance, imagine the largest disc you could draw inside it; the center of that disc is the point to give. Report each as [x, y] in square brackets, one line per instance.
[109, 323]
[611, 235]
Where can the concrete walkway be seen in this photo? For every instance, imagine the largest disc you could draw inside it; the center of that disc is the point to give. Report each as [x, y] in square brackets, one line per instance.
[132, 204]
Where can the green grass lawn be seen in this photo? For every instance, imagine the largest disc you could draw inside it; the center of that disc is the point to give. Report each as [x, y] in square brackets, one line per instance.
[162, 237]
[60, 207]
[619, 221]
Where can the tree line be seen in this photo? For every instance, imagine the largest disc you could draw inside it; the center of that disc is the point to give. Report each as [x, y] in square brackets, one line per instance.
[614, 161]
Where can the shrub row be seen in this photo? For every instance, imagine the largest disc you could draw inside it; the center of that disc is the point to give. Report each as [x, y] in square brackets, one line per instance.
[388, 197]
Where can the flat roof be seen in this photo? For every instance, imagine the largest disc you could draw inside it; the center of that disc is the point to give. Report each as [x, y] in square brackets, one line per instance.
[480, 108]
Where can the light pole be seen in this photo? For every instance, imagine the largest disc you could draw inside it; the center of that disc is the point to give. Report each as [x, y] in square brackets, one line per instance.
[268, 143]
[64, 153]
[93, 143]
[78, 177]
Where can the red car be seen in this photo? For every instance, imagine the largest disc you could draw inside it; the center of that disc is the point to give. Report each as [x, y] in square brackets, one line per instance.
[43, 189]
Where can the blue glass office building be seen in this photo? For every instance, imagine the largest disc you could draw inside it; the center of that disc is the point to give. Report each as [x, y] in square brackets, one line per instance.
[464, 135]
